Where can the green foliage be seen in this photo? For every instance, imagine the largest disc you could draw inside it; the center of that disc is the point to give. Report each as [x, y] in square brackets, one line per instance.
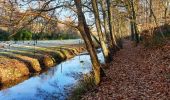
[84, 85]
[3, 35]
[55, 36]
[23, 35]
[67, 36]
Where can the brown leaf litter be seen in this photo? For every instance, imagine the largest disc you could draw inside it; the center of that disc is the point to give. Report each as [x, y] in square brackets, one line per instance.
[136, 73]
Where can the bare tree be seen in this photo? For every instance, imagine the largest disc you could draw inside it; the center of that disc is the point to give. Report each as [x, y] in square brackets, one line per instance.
[105, 50]
[85, 32]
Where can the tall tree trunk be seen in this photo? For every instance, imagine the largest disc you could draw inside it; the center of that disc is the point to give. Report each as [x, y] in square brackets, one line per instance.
[85, 32]
[134, 22]
[111, 26]
[106, 24]
[127, 4]
[105, 16]
[155, 19]
[132, 30]
[105, 50]
[166, 10]
[165, 15]
[95, 38]
[120, 43]
[150, 11]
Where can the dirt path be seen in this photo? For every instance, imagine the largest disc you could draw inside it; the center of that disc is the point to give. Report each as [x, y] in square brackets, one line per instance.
[136, 74]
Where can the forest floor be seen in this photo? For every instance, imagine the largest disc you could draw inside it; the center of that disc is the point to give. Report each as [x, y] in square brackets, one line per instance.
[136, 73]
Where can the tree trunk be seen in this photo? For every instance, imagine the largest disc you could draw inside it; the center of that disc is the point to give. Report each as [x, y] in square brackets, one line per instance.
[105, 50]
[155, 19]
[85, 32]
[95, 38]
[166, 10]
[106, 25]
[127, 4]
[165, 15]
[132, 30]
[120, 43]
[105, 16]
[150, 11]
[134, 22]
[111, 27]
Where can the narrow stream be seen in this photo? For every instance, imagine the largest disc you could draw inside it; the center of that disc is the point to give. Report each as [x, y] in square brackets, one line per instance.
[54, 84]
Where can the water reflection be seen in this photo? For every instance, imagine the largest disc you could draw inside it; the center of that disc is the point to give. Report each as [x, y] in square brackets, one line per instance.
[61, 67]
[53, 84]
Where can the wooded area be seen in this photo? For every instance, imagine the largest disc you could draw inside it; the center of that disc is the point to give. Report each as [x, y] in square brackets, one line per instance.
[106, 22]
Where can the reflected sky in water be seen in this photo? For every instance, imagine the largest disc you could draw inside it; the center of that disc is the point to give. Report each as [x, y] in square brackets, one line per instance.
[53, 84]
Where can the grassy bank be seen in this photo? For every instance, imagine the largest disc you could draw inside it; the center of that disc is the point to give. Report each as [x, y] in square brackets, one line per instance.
[17, 62]
[85, 84]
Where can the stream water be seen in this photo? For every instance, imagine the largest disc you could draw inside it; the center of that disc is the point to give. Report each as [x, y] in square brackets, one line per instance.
[54, 84]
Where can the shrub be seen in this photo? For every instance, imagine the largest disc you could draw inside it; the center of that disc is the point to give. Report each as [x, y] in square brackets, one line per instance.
[23, 35]
[156, 40]
[55, 36]
[3, 35]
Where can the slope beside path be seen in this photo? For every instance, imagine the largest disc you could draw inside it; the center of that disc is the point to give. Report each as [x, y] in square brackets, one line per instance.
[136, 73]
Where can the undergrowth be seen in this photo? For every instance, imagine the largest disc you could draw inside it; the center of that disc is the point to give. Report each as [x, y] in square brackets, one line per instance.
[83, 86]
[157, 40]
